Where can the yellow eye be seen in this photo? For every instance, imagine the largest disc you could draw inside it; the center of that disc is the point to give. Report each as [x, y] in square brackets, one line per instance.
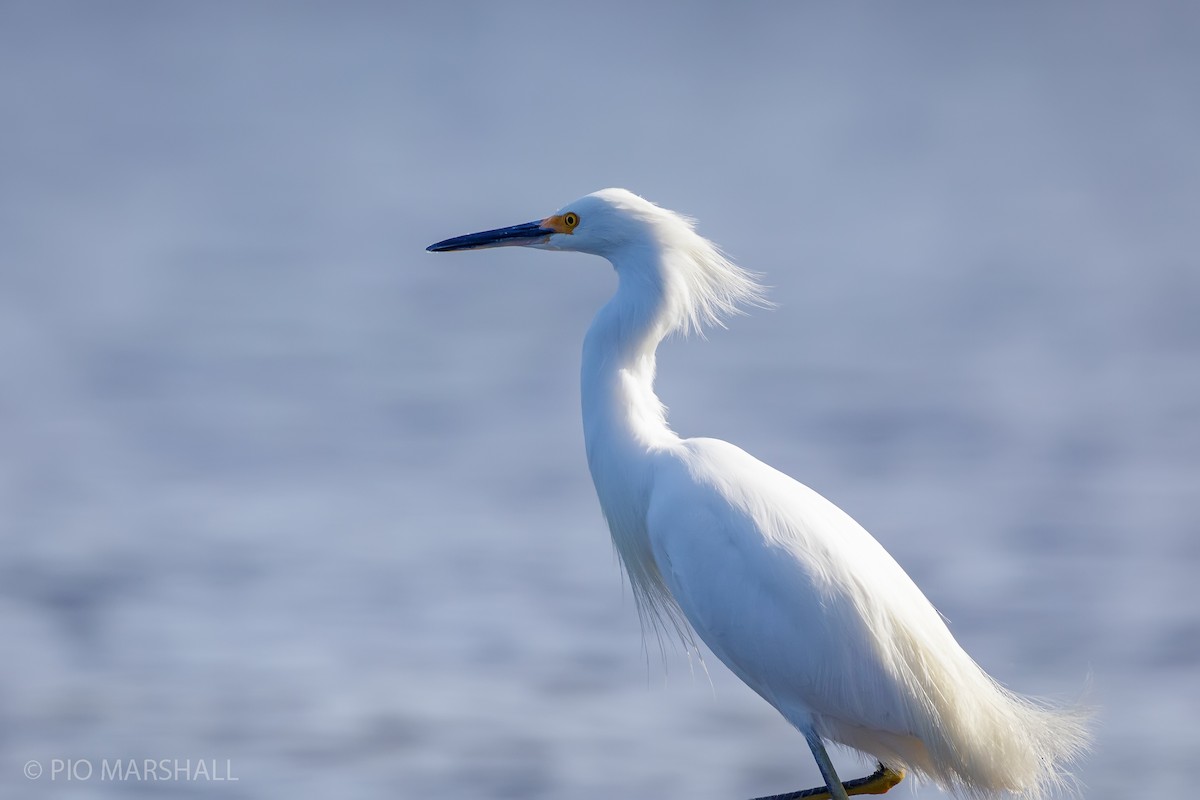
[570, 219]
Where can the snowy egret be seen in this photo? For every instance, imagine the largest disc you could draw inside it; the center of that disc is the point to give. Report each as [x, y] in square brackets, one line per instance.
[788, 591]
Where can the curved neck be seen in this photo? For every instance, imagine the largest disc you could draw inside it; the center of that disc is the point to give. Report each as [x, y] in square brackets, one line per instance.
[623, 423]
[619, 404]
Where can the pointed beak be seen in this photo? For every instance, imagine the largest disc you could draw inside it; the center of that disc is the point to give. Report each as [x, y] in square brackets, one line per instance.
[516, 235]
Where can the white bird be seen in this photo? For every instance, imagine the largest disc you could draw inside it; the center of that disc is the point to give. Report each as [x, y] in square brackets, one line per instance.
[788, 591]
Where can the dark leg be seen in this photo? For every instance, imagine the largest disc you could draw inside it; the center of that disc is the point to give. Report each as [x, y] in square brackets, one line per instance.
[877, 782]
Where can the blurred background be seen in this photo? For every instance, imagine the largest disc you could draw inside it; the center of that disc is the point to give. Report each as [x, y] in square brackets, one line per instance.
[280, 490]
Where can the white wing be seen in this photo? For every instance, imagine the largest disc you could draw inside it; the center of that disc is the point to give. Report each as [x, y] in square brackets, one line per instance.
[802, 604]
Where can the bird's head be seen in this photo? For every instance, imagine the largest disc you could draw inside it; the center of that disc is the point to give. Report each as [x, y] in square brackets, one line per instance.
[691, 281]
[599, 223]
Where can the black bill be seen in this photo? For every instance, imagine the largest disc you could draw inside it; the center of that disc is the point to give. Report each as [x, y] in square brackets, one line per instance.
[529, 233]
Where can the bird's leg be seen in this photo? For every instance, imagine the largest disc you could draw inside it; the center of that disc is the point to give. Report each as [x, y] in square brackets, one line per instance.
[877, 782]
[832, 782]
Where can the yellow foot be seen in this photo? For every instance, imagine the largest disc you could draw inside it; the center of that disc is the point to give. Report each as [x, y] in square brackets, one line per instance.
[877, 782]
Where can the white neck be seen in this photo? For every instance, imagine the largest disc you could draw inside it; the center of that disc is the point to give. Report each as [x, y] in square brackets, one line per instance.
[620, 409]
[624, 424]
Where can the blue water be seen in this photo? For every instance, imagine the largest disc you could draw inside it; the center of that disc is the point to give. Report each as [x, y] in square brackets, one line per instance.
[280, 489]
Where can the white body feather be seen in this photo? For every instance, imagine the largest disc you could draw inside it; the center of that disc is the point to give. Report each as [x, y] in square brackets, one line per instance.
[795, 597]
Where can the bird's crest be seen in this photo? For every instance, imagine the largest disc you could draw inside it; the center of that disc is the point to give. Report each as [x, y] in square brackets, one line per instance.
[700, 285]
